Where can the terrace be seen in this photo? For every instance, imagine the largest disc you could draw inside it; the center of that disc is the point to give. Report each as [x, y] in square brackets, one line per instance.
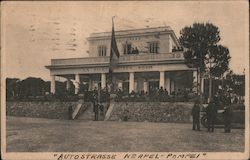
[131, 58]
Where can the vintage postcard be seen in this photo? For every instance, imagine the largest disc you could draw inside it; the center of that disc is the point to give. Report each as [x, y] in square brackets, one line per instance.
[124, 80]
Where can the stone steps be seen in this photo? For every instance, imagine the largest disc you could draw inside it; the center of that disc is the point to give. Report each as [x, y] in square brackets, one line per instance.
[87, 114]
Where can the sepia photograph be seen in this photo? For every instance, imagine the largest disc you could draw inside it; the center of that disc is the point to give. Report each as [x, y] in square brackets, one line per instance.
[153, 80]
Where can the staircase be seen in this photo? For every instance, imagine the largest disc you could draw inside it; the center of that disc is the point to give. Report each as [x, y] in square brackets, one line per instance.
[87, 113]
[109, 111]
[84, 111]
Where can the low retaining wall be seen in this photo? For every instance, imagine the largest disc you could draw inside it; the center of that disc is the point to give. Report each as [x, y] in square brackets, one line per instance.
[53, 110]
[152, 111]
[132, 111]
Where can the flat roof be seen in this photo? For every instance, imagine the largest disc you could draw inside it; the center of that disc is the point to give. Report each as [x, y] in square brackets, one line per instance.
[131, 31]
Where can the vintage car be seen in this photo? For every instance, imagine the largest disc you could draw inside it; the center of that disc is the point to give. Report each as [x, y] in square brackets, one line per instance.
[238, 116]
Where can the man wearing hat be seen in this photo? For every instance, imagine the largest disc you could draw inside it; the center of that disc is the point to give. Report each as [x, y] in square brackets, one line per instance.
[227, 118]
[211, 115]
[196, 115]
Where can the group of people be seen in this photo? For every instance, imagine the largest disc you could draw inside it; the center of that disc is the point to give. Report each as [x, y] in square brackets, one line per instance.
[97, 107]
[211, 113]
[155, 94]
[92, 97]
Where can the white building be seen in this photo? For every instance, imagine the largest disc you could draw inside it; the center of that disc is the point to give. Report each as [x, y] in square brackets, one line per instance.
[155, 65]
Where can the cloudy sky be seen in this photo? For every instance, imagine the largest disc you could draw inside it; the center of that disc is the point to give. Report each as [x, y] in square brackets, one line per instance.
[35, 32]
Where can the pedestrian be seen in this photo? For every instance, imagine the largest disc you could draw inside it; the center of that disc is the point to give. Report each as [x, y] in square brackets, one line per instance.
[96, 111]
[196, 115]
[211, 115]
[227, 118]
[70, 112]
[101, 108]
[161, 94]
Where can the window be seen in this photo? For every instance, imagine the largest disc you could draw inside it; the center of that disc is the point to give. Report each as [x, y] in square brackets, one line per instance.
[102, 51]
[153, 47]
[127, 48]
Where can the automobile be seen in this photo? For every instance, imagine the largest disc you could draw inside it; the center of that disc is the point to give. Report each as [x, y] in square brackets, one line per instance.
[238, 116]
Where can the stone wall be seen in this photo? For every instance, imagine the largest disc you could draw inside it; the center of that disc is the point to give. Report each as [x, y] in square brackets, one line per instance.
[152, 111]
[132, 111]
[54, 110]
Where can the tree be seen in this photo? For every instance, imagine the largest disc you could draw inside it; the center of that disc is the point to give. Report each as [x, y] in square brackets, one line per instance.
[12, 87]
[31, 86]
[234, 83]
[202, 52]
[216, 61]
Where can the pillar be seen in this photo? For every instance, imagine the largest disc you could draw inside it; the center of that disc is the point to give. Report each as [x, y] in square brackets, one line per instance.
[120, 85]
[77, 85]
[68, 84]
[103, 80]
[53, 85]
[162, 79]
[95, 84]
[169, 44]
[140, 84]
[131, 81]
[145, 86]
[90, 84]
[195, 81]
[136, 86]
[168, 83]
[172, 85]
[202, 85]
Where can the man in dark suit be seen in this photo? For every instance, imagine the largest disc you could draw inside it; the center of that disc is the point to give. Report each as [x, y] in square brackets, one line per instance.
[70, 112]
[196, 115]
[211, 115]
[94, 100]
[96, 111]
[227, 118]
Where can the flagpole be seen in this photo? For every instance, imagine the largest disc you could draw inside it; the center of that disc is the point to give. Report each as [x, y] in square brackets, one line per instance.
[114, 56]
[110, 70]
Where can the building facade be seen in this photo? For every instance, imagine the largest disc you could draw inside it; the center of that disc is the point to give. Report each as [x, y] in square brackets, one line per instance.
[150, 58]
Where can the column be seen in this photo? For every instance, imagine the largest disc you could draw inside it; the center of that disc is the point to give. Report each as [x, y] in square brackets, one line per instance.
[168, 83]
[172, 85]
[140, 85]
[120, 85]
[131, 81]
[77, 85]
[162, 79]
[195, 81]
[169, 44]
[135, 86]
[95, 84]
[68, 84]
[103, 80]
[90, 84]
[145, 86]
[202, 85]
[53, 85]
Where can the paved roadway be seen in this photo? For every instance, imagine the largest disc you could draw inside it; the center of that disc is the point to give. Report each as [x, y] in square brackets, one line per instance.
[51, 135]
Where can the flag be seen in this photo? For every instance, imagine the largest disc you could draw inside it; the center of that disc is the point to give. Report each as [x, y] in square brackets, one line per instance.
[114, 52]
[114, 57]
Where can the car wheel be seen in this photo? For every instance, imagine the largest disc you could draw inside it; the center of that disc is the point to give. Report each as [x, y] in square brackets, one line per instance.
[204, 121]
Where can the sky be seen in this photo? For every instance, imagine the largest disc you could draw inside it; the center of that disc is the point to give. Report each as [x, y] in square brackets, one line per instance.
[35, 32]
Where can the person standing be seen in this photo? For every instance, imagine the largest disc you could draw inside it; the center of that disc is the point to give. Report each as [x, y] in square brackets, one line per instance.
[161, 94]
[96, 111]
[227, 118]
[211, 115]
[196, 115]
[70, 112]
[94, 99]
